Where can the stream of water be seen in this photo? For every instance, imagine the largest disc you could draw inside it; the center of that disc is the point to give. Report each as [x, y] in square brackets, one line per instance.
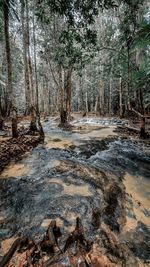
[70, 175]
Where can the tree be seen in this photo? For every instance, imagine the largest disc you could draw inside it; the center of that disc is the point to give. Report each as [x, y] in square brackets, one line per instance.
[25, 35]
[6, 5]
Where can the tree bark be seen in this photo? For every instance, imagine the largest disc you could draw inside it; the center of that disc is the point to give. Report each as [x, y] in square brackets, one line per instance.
[11, 98]
[110, 96]
[35, 65]
[8, 55]
[128, 80]
[26, 65]
[86, 102]
[101, 97]
[33, 126]
[63, 114]
[68, 91]
[34, 111]
[120, 98]
[142, 127]
[1, 122]
[14, 123]
[31, 92]
[61, 89]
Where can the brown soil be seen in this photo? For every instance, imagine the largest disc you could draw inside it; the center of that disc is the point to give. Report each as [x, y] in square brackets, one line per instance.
[14, 148]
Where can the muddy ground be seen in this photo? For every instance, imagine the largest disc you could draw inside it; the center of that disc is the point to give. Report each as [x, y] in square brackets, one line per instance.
[90, 172]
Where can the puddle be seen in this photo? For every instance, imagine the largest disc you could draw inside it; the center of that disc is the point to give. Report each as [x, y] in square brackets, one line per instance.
[62, 144]
[89, 132]
[139, 188]
[14, 170]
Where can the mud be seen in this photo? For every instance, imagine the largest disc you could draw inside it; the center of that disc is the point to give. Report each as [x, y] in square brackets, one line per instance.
[80, 173]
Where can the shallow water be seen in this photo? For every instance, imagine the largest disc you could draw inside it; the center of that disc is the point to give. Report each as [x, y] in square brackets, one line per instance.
[68, 175]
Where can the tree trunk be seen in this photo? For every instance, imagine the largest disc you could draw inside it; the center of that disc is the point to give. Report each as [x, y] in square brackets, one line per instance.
[86, 103]
[35, 65]
[128, 81]
[8, 55]
[33, 126]
[110, 96]
[120, 98]
[1, 122]
[141, 102]
[96, 105]
[1, 116]
[68, 91]
[142, 127]
[101, 97]
[63, 114]
[34, 111]
[26, 65]
[14, 123]
[11, 98]
[63, 117]
[31, 92]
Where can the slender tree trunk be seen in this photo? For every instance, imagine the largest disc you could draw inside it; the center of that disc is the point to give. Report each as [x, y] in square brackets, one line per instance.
[142, 127]
[63, 113]
[128, 81]
[82, 106]
[120, 98]
[35, 65]
[96, 104]
[1, 118]
[141, 102]
[68, 91]
[110, 96]
[11, 99]
[61, 85]
[8, 55]
[31, 92]
[86, 103]
[101, 97]
[142, 134]
[14, 122]
[26, 65]
[33, 125]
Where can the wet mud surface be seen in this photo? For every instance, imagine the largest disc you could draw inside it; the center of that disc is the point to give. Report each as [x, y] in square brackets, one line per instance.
[88, 172]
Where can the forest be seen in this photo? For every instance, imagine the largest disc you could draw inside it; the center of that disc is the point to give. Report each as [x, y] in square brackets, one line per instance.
[74, 133]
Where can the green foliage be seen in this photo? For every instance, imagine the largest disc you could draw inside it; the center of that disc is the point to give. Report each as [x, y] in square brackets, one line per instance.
[79, 12]
[142, 37]
[76, 42]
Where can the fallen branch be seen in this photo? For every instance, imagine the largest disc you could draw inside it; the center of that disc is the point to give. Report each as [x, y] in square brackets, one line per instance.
[132, 129]
[137, 113]
[7, 257]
